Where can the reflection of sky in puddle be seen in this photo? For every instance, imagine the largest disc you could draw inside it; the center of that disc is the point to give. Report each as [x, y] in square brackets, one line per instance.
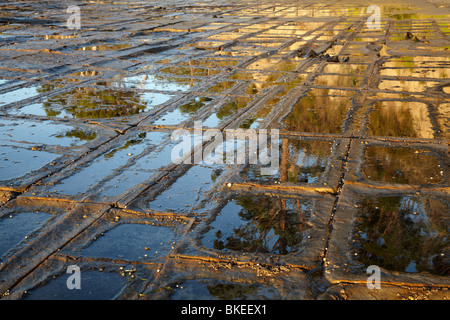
[183, 112]
[188, 190]
[17, 137]
[89, 176]
[18, 95]
[14, 229]
[141, 170]
[16, 162]
[121, 168]
[27, 131]
[226, 111]
[173, 117]
[251, 123]
[95, 285]
[95, 104]
[154, 98]
[212, 121]
[129, 241]
[36, 109]
[261, 114]
[153, 82]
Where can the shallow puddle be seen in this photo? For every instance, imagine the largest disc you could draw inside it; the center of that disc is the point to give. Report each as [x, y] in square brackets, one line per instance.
[346, 69]
[136, 171]
[318, 112]
[417, 72]
[106, 47]
[183, 112]
[27, 132]
[89, 103]
[406, 85]
[188, 191]
[84, 131]
[3, 81]
[221, 86]
[17, 162]
[158, 82]
[251, 223]
[110, 164]
[95, 285]
[14, 228]
[190, 71]
[444, 119]
[258, 76]
[226, 111]
[132, 241]
[300, 162]
[402, 165]
[209, 289]
[330, 80]
[413, 62]
[274, 64]
[403, 233]
[19, 94]
[400, 119]
[210, 63]
[212, 121]
[78, 134]
[260, 115]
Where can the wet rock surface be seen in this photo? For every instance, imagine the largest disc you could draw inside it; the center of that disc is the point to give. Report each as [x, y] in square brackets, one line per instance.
[87, 177]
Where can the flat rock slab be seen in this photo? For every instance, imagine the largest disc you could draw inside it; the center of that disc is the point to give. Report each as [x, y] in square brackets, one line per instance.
[93, 118]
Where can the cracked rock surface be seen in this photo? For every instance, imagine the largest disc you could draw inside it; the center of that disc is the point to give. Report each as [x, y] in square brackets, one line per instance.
[87, 175]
